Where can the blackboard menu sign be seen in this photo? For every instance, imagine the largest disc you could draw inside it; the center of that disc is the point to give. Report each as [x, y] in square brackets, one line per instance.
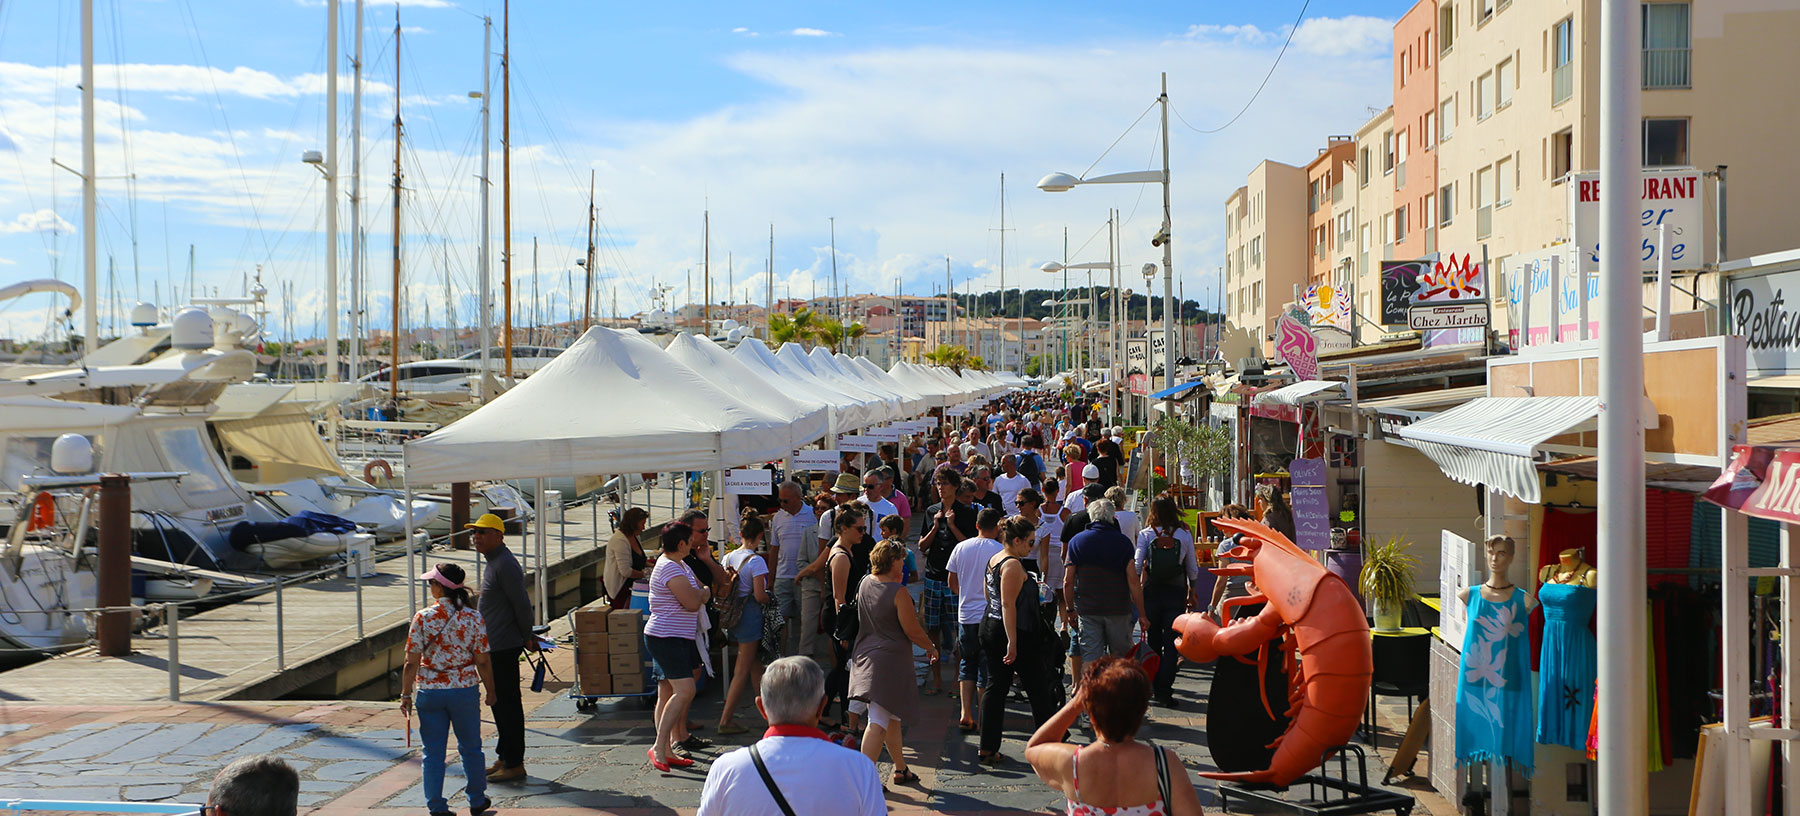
[1399, 280]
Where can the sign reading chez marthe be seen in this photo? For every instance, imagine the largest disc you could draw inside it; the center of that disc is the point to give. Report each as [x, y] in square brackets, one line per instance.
[1760, 310]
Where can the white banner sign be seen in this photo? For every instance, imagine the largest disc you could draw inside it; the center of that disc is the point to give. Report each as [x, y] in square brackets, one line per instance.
[1555, 297]
[890, 433]
[857, 443]
[1666, 197]
[1447, 316]
[816, 460]
[749, 482]
[1759, 309]
[917, 426]
[1456, 572]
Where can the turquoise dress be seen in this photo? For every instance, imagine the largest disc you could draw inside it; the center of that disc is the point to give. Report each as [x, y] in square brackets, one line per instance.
[1493, 684]
[1566, 666]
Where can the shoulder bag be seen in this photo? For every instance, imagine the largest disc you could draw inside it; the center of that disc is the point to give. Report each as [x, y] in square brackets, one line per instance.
[781, 801]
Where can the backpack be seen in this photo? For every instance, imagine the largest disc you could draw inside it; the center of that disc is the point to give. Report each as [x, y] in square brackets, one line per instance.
[1165, 561]
[733, 611]
[1031, 468]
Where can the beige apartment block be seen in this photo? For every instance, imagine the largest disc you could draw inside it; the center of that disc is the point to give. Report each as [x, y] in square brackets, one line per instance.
[1519, 101]
[1374, 212]
[1265, 246]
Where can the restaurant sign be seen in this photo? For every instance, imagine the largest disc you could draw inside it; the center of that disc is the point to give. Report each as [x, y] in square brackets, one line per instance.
[1761, 481]
[1760, 311]
[1137, 365]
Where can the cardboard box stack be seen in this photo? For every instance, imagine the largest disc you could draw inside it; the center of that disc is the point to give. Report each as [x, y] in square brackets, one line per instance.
[608, 657]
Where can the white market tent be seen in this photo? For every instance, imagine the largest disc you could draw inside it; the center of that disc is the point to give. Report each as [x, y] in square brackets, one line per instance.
[873, 373]
[849, 413]
[959, 388]
[823, 365]
[879, 410]
[937, 394]
[612, 403]
[911, 404]
[811, 415]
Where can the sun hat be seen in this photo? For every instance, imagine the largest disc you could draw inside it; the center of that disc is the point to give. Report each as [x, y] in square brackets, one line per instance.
[433, 575]
[847, 483]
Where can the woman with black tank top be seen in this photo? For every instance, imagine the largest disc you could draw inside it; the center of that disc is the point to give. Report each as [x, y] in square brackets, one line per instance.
[1013, 638]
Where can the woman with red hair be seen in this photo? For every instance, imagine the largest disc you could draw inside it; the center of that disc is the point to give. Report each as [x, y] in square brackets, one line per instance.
[1126, 777]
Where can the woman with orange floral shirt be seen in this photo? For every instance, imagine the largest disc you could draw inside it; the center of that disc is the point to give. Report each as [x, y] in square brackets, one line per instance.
[446, 656]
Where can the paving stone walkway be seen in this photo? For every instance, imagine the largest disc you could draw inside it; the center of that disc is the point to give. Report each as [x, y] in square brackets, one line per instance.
[353, 757]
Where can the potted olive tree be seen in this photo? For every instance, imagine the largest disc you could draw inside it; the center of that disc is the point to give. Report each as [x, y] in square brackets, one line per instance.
[1387, 581]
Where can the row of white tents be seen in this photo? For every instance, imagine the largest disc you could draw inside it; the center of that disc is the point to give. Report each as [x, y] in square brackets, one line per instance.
[616, 403]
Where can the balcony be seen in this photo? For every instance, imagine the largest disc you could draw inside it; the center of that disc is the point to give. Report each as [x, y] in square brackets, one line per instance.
[1562, 82]
[1337, 193]
[1400, 176]
[1484, 221]
[1666, 68]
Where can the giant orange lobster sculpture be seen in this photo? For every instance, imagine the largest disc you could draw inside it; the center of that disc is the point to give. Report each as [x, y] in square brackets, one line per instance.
[1323, 621]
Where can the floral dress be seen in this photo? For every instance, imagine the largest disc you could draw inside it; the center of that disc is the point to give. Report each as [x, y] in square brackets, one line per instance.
[1493, 684]
[447, 640]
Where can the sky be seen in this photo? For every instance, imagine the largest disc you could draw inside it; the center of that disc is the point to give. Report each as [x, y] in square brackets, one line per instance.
[890, 124]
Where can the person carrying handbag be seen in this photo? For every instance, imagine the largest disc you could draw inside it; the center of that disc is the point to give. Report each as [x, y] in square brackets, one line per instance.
[446, 657]
[625, 558]
[1013, 638]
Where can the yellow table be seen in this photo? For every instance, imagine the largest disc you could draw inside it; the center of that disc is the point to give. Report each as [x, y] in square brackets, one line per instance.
[1408, 631]
[1433, 601]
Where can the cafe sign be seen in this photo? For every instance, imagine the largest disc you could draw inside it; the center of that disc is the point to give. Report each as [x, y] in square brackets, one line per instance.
[1765, 309]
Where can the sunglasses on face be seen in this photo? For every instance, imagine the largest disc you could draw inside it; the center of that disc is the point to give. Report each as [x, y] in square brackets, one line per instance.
[870, 486]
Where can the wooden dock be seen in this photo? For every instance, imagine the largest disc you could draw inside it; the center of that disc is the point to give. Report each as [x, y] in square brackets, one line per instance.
[230, 653]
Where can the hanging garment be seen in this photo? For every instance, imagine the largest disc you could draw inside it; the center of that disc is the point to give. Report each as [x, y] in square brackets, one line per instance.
[1562, 530]
[1493, 695]
[1566, 666]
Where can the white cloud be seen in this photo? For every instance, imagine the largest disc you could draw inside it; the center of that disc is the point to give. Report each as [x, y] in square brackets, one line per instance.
[36, 221]
[812, 32]
[8, 262]
[1345, 36]
[1237, 33]
[742, 31]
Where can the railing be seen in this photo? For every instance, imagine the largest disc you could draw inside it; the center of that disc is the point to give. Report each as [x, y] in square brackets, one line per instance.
[1337, 192]
[1484, 220]
[1400, 176]
[1562, 82]
[1666, 68]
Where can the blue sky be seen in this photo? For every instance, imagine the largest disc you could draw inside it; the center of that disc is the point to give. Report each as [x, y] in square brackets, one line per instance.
[897, 119]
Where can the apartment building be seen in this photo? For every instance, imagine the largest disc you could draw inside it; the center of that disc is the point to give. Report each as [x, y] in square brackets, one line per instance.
[1415, 132]
[1519, 102]
[1266, 247]
[1373, 214]
[1328, 214]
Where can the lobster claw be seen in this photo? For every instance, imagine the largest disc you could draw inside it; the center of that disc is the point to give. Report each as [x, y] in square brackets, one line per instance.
[1195, 638]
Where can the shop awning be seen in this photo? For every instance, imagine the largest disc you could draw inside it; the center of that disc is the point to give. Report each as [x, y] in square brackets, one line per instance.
[1178, 392]
[1420, 400]
[1296, 393]
[1494, 440]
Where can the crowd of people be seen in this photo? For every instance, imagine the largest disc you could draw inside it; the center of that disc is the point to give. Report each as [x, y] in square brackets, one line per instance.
[1002, 548]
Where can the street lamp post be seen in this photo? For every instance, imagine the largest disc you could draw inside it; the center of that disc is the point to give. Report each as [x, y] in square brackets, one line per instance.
[1053, 267]
[1061, 182]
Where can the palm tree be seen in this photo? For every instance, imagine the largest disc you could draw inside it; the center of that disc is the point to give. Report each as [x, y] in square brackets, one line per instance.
[831, 334]
[798, 327]
[954, 357]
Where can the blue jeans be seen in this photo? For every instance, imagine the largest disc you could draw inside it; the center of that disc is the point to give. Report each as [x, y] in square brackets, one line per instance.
[968, 644]
[441, 710]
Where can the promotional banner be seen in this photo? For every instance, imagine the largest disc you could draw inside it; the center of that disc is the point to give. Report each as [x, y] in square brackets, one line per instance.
[1666, 197]
[1297, 347]
[816, 460]
[1312, 508]
[1328, 305]
[1450, 304]
[1137, 366]
[749, 482]
[1399, 280]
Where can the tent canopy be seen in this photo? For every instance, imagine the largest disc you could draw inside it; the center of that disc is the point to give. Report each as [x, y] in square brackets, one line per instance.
[850, 412]
[810, 415]
[612, 403]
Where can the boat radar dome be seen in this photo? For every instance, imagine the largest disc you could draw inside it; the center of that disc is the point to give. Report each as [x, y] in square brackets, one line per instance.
[72, 454]
[143, 315]
[193, 330]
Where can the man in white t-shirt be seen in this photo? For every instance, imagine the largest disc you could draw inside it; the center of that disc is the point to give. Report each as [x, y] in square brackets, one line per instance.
[968, 579]
[791, 544]
[871, 496]
[1009, 483]
[813, 774]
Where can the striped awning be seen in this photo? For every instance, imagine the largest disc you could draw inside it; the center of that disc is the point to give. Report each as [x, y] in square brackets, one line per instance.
[1495, 440]
[1297, 393]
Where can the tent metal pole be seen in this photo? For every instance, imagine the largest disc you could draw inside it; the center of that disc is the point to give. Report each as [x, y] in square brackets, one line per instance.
[412, 586]
[542, 550]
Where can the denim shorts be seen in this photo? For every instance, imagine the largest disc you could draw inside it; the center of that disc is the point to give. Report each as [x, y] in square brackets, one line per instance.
[969, 646]
[675, 657]
[750, 629]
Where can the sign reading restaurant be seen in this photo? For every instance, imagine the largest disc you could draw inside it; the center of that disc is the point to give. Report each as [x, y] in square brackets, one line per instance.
[1765, 309]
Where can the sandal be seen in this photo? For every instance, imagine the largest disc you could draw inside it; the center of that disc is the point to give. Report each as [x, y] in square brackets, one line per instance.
[693, 743]
[931, 691]
[730, 729]
[905, 776]
[993, 760]
[968, 726]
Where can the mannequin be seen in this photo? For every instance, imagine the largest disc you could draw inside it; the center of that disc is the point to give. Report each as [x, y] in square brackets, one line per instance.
[1569, 569]
[1493, 694]
[1567, 661]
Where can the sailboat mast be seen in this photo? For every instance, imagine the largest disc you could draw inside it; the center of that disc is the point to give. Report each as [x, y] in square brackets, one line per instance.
[394, 341]
[837, 298]
[706, 273]
[506, 186]
[482, 300]
[331, 225]
[356, 235]
[769, 303]
[587, 296]
[90, 307]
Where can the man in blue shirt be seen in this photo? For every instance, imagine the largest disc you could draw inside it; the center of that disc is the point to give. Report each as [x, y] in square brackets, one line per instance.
[1103, 585]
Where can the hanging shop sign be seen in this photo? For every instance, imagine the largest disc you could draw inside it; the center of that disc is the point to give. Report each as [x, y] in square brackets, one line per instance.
[1297, 347]
[815, 460]
[1312, 509]
[1450, 304]
[889, 433]
[1399, 280]
[1327, 306]
[1137, 366]
[1553, 312]
[749, 482]
[857, 443]
[1667, 198]
[1758, 308]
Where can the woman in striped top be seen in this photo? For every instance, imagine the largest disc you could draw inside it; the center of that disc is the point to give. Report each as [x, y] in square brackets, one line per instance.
[675, 600]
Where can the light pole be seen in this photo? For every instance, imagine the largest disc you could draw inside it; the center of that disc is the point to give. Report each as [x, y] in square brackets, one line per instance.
[1053, 267]
[1060, 182]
